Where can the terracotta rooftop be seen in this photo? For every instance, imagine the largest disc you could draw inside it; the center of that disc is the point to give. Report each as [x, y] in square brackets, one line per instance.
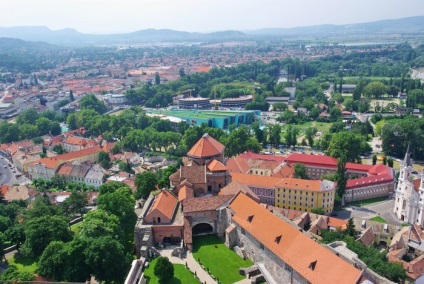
[193, 174]
[371, 180]
[367, 237]
[206, 147]
[205, 203]
[185, 192]
[318, 160]
[313, 185]
[72, 140]
[237, 165]
[415, 268]
[77, 154]
[216, 166]
[252, 155]
[255, 180]
[235, 187]
[165, 202]
[328, 268]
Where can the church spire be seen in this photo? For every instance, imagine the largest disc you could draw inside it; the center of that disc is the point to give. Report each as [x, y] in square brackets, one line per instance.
[407, 160]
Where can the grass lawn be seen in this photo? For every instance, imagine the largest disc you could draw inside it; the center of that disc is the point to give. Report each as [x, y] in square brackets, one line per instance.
[368, 201]
[75, 228]
[221, 261]
[378, 219]
[22, 263]
[321, 126]
[181, 275]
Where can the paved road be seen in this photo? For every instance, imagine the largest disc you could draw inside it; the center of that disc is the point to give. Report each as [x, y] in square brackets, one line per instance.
[382, 209]
[7, 176]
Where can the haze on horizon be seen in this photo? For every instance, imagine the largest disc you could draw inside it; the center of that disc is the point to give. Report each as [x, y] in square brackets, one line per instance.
[120, 16]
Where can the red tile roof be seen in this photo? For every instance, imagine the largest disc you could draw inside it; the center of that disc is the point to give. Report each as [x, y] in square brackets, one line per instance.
[313, 160]
[252, 155]
[266, 227]
[371, 180]
[358, 167]
[216, 166]
[235, 187]
[255, 180]
[206, 147]
[205, 203]
[165, 203]
[185, 192]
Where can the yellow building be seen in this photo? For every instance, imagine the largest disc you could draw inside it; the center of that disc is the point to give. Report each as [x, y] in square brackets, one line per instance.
[305, 195]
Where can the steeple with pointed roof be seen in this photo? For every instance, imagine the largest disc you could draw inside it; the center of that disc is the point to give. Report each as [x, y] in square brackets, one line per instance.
[407, 160]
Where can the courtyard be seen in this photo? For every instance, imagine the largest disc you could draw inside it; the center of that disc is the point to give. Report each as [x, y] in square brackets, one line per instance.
[181, 274]
[222, 262]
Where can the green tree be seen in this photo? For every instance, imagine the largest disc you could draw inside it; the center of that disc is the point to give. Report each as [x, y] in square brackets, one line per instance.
[375, 89]
[164, 270]
[101, 255]
[341, 146]
[52, 263]
[12, 274]
[300, 171]
[384, 160]
[310, 133]
[104, 159]
[75, 203]
[71, 96]
[42, 230]
[90, 102]
[71, 120]
[240, 140]
[157, 78]
[374, 159]
[145, 182]
[390, 162]
[341, 177]
[279, 106]
[121, 204]
[111, 187]
[350, 228]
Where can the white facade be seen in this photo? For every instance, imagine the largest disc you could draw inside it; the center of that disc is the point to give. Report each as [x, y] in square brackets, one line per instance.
[117, 99]
[409, 202]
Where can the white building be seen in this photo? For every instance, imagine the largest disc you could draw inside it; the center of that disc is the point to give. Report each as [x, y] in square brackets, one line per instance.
[117, 99]
[409, 195]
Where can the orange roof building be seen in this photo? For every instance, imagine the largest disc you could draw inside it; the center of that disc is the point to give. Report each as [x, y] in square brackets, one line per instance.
[205, 149]
[163, 209]
[265, 237]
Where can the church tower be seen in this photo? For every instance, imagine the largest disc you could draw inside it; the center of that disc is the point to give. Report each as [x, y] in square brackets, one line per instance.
[406, 198]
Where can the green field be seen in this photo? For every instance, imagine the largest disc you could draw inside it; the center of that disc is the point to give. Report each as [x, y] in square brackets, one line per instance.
[222, 262]
[368, 201]
[378, 219]
[204, 114]
[24, 264]
[323, 127]
[181, 275]
[75, 228]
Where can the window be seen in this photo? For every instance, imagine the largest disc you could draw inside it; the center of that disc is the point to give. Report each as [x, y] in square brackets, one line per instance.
[243, 232]
[262, 247]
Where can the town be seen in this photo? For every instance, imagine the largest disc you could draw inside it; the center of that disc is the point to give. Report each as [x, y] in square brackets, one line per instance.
[240, 159]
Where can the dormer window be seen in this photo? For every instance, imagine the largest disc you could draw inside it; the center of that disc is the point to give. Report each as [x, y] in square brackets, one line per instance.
[250, 218]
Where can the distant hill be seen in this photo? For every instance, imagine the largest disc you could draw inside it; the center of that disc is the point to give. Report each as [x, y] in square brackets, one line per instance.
[411, 25]
[402, 26]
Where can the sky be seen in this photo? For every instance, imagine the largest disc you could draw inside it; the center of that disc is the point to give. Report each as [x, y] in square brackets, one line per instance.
[119, 16]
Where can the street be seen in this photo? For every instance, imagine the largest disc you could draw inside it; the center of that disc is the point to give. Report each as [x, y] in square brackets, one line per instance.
[382, 209]
[7, 176]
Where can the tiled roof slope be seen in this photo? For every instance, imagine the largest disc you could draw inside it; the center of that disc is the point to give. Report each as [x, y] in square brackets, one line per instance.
[206, 147]
[296, 249]
[205, 203]
[165, 203]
